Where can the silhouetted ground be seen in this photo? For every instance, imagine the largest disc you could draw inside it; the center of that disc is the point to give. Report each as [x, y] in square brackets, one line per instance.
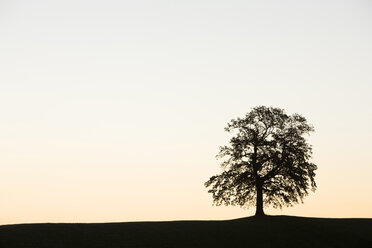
[272, 231]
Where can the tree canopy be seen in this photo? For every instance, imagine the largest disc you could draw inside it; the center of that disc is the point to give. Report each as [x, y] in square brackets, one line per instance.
[267, 161]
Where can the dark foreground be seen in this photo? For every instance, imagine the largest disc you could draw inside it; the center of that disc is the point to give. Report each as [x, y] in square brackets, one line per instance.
[273, 231]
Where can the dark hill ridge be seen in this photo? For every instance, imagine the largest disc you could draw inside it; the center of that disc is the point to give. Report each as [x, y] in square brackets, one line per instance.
[269, 231]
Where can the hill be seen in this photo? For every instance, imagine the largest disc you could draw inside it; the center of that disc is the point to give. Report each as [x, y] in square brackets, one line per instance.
[270, 231]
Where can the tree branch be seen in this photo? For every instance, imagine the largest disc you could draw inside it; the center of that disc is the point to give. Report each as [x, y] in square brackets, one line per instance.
[275, 170]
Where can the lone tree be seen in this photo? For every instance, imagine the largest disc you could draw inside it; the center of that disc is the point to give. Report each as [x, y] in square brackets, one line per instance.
[266, 162]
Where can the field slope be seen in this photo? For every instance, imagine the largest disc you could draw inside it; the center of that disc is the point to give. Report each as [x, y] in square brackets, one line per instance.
[271, 231]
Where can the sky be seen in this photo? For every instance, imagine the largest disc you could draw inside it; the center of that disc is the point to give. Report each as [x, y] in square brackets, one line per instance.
[114, 110]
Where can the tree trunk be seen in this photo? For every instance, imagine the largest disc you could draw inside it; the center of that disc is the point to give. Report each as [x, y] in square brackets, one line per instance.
[259, 200]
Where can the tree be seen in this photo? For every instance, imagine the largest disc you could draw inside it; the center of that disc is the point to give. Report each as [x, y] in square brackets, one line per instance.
[266, 162]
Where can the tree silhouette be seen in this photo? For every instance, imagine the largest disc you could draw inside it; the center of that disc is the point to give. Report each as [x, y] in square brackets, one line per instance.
[266, 162]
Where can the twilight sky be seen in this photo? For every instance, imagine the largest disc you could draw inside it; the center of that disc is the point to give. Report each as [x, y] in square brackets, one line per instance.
[114, 110]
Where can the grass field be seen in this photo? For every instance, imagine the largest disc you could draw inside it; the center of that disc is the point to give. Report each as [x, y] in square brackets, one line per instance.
[269, 231]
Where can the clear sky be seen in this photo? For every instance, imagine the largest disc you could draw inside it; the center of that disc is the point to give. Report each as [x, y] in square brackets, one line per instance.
[114, 110]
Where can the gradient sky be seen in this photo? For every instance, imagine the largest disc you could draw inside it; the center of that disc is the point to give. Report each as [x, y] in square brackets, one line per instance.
[114, 110]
